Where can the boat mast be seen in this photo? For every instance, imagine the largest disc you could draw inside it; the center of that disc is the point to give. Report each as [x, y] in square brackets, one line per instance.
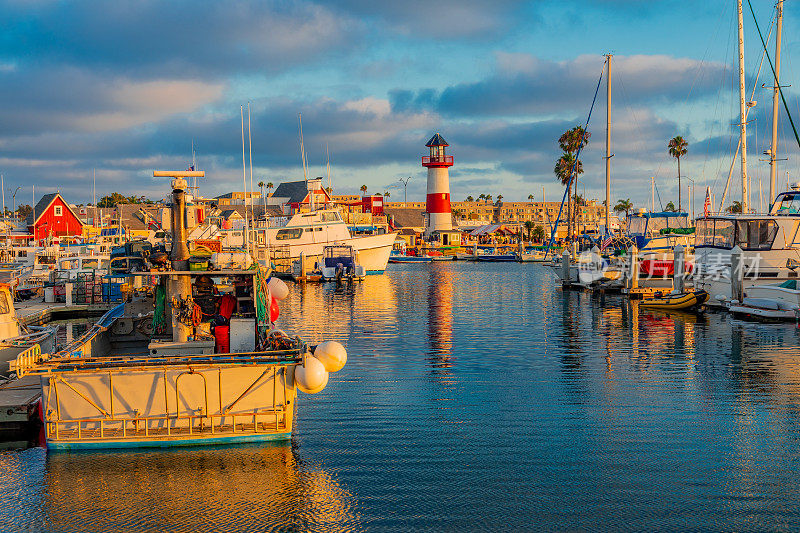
[773, 152]
[244, 186]
[608, 143]
[742, 110]
[653, 194]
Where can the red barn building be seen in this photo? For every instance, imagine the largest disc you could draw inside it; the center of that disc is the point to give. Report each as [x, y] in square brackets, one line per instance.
[52, 217]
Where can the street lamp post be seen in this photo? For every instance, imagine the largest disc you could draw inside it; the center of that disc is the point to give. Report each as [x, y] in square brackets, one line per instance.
[405, 181]
[691, 195]
[14, 203]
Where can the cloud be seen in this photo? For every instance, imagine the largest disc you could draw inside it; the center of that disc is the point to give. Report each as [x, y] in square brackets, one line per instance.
[175, 39]
[526, 84]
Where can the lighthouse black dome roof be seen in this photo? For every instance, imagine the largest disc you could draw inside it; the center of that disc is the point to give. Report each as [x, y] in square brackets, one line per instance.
[437, 140]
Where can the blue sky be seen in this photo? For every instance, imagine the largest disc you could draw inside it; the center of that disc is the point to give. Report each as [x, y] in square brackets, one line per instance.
[125, 87]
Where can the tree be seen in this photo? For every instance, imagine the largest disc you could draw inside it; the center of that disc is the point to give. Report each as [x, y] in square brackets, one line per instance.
[529, 228]
[470, 199]
[488, 198]
[735, 207]
[571, 142]
[538, 233]
[499, 198]
[563, 170]
[530, 198]
[670, 207]
[116, 198]
[677, 148]
[23, 210]
[481, 197]
[623, 205]
[269, 187]
[386, 194]
[329, 190]
[261, 186]
[364, 190]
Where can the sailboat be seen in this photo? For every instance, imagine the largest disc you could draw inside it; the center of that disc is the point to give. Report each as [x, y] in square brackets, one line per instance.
[769, 244]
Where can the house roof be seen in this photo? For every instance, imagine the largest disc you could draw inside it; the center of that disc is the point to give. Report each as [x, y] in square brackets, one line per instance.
[43, 204]
[406, 217]
[295, 191]
[437, 140]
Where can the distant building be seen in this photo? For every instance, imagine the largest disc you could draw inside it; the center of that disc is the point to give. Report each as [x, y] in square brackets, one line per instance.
[299, 196]
[53, 217]
[238, 198]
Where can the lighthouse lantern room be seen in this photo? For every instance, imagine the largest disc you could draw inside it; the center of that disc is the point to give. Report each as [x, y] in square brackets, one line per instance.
[437, 202]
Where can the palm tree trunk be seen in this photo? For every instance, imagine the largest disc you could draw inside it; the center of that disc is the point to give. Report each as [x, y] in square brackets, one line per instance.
[679, 185]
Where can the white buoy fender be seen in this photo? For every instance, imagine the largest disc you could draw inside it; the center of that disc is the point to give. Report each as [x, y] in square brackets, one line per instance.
[331, 354]
[312, 377]
[278, 288]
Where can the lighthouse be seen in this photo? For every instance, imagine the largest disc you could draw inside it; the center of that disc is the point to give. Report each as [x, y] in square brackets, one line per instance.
[437, 203]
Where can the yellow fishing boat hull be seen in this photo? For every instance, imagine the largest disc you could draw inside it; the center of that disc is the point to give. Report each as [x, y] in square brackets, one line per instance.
[676, 302]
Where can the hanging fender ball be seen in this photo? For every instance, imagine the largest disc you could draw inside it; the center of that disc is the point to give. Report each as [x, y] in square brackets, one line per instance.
[278, 288]
[311, 377]
[332, 355]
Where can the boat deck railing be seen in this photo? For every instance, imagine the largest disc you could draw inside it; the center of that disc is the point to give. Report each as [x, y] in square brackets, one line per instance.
[167, 426]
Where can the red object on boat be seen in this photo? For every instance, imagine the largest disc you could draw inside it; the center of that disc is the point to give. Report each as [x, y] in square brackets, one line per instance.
[222, 339]
[274, 309]
[661, 267]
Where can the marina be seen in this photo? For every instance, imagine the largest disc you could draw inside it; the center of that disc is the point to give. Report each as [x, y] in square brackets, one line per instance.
[515, 266]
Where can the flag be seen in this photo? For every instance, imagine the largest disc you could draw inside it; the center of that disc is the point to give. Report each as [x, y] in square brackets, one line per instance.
[605, 243]
[707, 203]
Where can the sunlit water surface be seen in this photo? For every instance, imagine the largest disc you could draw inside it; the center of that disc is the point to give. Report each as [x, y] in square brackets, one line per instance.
[475, 397]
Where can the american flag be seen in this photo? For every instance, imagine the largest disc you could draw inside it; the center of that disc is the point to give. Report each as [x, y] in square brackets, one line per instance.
[707, 203]
[605, 243]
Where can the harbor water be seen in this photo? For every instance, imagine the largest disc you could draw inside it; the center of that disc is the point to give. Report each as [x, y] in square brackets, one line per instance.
[476, 397]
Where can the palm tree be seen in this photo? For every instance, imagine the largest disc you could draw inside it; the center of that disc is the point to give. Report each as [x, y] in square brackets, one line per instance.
[386, 195]
[571, 142]
[677, 149]
[488, 198]
[499, 198]
[269, 187]
[563, 170]
[363, 190]
[529, 228]
[538, 233]
[670, 207]
[470, 199]
[530, 198]
[735, 207]
[261, 186]
[623, 205]
[481, 197]
[329, 190]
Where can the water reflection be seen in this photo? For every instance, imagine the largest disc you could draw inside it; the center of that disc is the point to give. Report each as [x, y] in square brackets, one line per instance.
[440, 314]
[241, 488]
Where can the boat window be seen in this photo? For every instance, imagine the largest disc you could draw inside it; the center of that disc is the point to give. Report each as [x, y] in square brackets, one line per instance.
[789, 205]
[724, 232]
[289, 233]
[637, 225]
[4, 306]
[756, 234]
[317, 229]
[705, 233]
[309, 230]
[90, 263]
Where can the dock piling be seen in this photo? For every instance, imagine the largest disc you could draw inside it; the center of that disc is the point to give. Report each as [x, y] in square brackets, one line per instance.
[737, 274]
[679, 262]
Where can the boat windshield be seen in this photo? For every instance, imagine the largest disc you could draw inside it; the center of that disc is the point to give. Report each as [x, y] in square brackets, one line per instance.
[789, 205]
[288, 234]
[755, 234]
[747, 234]
[715, 232]
[637, 225]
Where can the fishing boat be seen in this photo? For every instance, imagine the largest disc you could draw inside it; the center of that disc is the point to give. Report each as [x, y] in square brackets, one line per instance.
[497, 258]
[680, 301]
[769, 303]
[410, 258]
[339, 264]
[14, 338]
[200, 362]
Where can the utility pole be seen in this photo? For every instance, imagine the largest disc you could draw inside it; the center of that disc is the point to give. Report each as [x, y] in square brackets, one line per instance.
[742, 110]
[773, 156]
[405, 181]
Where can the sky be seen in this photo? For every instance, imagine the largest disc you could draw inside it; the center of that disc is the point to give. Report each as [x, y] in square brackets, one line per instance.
[119, 89]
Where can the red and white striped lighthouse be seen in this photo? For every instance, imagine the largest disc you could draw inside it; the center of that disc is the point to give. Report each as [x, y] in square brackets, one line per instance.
[437, 204]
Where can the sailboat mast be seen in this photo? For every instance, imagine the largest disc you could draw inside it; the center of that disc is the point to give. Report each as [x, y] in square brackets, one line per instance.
[608, 143]
[244, 186]
[773, 152]
[742, 110]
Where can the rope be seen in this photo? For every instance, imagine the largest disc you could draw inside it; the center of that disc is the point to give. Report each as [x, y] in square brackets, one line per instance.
[159, 323]
[574, 166]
